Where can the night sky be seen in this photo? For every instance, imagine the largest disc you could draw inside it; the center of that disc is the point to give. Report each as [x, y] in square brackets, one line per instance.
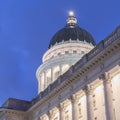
[26, 28]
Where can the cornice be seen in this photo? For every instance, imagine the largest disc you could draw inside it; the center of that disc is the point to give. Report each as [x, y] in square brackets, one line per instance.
[10, 111]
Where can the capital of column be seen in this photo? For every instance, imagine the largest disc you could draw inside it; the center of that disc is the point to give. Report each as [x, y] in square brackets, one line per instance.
[73, 98]
[88, 89]
[49, 114]
[105, 77]
[44, 116]
[61, 110]
[60, 107]
[74, 102]
[40, 118]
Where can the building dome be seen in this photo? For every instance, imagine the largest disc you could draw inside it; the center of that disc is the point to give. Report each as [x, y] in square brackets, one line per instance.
[72, 32]
[67, 46]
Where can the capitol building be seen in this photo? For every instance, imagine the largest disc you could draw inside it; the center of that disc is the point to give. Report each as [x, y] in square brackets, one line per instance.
[77, 80]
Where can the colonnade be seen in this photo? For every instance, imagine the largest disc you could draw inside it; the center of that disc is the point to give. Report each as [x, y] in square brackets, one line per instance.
[50, 75]
[73, 102]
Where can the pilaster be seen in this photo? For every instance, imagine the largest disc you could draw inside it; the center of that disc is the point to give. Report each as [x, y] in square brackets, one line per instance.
[61, 111]
[60, 66]
[49, 115]
[45, 80]
[51, 75]
[74, 101]
[89, 95]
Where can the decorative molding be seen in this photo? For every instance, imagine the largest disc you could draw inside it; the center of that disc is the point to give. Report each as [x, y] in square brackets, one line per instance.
[88, 89]
[105, 77]
[60, 107]
[74, 98]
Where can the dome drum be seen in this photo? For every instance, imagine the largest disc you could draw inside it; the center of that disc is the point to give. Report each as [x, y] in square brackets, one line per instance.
[50, 75]
[80, 48]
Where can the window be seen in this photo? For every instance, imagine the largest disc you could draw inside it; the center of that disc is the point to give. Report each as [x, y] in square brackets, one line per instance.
[82, 52]
[66, 52]
[59, 53]
[74, 51]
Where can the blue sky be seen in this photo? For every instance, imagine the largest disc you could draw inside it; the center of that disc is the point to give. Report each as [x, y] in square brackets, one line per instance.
[27, 26]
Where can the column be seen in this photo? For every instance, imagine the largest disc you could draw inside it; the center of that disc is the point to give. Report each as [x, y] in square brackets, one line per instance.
[51, 75]
[60, 69]
[74, 101]
[89, 98]
[44, 80]
[61, 113]
[40, 85]
[41, 82]
[108, 95]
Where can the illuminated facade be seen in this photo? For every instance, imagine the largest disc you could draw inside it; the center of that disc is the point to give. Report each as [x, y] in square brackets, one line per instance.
[78, 79]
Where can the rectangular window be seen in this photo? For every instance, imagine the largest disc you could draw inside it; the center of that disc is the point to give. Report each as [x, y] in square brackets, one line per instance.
[66, 52]
[74, 51]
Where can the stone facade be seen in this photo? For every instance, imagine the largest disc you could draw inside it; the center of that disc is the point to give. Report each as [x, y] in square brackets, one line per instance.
[88, 91]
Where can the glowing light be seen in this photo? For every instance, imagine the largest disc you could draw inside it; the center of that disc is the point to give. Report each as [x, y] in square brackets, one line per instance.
[71, 13]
